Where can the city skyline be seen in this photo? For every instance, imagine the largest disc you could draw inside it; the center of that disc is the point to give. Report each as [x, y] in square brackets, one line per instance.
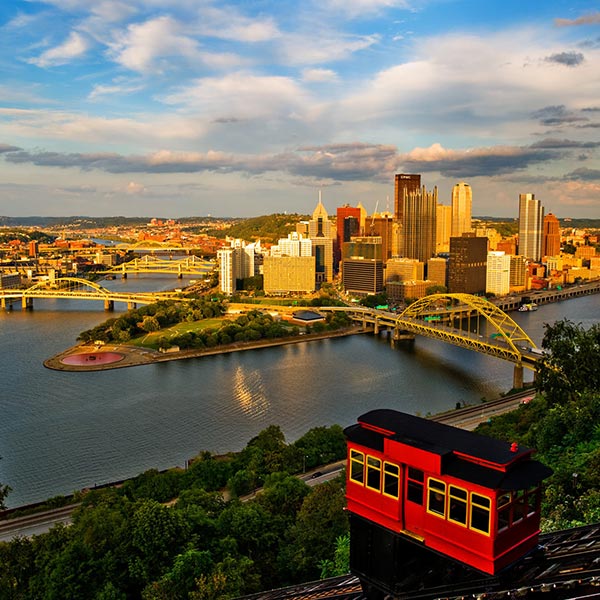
[189, 108]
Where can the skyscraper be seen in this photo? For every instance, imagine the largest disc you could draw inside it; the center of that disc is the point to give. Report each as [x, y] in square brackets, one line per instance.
[320, 232]
[531, 219]
[551, 236]
[443, 228]
[462, 200]
[418, 224]
[404, 183]
[348, 225]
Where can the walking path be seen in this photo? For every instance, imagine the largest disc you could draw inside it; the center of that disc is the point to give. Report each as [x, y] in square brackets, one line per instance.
[131, 356]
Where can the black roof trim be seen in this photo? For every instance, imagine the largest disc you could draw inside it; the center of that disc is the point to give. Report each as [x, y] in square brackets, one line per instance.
[440, 438]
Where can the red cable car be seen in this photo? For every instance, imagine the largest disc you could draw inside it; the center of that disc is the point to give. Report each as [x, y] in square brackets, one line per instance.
[468, 497]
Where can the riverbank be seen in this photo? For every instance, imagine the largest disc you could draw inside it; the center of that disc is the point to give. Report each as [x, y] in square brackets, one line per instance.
[132, 356]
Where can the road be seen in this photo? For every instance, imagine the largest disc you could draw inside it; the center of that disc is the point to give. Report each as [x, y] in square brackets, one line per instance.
[35, 524]
[466, 418]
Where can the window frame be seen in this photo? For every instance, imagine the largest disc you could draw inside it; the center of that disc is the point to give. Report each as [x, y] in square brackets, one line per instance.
[394, 476]
[357, 458]
[474, 505]
[463, 501]
[441, 490]
[369, 469]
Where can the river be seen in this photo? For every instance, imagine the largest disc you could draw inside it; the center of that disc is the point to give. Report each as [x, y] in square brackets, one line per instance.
[63, 431]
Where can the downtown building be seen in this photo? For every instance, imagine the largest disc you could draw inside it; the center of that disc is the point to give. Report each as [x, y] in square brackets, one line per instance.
[236, 263]
[467, 265]
[497, 273]
[321, 236]
[362, 266]
[404, 184]
[551, 236]
[290, 267]
[531, 221]
[462, 201]
[418, 224]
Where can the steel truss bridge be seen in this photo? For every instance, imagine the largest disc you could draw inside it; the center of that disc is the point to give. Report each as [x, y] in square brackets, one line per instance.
[79, 289]
[191, 265]
[439, 317]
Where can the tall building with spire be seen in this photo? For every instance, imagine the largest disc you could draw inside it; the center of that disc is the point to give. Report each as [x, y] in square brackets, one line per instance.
[551, 236]
[462, 200]
[418, 211]
[321, 234]
[531, 220]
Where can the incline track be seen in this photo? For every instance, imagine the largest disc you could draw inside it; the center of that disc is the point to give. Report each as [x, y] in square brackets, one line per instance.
[566, 565]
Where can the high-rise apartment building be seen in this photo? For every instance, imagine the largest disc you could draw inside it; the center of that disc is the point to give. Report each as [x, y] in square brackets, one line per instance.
[462, 200]
[467, 264]
[443, 227]
[551, 236]
[531, 219]
[418, 224]
[404, 183]
[294, 245]
[498, 273]
[235, 263]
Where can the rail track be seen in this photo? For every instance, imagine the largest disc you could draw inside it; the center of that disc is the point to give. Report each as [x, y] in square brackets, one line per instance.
[566, 565]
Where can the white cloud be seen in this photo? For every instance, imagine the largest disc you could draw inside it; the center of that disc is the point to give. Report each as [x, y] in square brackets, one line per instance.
[322, 47]
[228, 24]
[73, 47]
[100, 90]
[319, 75]
[243, 95]
[142, 47]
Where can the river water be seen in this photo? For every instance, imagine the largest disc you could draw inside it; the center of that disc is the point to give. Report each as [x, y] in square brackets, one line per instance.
[63, 431]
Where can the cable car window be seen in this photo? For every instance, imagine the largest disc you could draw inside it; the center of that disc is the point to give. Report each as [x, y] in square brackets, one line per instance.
[357, 462]
[480, 513]
[519, 505]
[533, 500]
[373, 473]
[391, 475]
[457, 510]
[504, 518]
[436, 497]
[414, 487]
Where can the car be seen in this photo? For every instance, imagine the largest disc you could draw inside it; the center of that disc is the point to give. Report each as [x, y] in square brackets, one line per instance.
[316, 474]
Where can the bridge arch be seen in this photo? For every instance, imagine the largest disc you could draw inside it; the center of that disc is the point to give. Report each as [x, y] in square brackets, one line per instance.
[503, 326]
[70, 284]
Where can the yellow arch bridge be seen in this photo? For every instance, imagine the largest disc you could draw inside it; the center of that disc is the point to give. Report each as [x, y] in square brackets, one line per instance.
[190, 265]
[439, 316]
[74, 288]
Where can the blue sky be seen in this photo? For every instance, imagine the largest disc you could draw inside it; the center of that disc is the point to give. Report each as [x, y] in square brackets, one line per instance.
[196, 107]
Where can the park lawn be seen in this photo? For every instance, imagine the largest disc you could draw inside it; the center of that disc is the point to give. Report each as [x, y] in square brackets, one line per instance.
[150, 340]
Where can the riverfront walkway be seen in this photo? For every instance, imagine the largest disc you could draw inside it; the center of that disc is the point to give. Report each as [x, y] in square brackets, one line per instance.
[135, 356]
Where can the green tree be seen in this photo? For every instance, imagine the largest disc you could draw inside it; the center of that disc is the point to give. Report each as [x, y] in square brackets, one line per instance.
[571, 364]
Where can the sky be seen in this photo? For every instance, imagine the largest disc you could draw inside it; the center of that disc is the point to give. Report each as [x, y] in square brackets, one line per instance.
[175, 108]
